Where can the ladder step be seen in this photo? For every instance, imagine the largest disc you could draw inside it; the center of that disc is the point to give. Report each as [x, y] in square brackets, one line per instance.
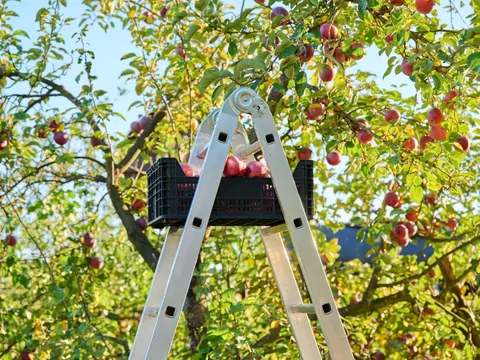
[272, 230]
[303, 308]
[249, 150]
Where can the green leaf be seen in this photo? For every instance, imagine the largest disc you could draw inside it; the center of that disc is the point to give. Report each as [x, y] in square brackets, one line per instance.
[288, 51]
[362, 5]
[21, 32]
[191, 31]
[232, 49]
[201, 4]
[248, 64]
[127, 72]
[416, 193]
[437, 82]
[210, 76]
[58, 295]
[21, 115]
[63, 2]
[301, 83]
[41, 14]
[473, 61]
[127, 56]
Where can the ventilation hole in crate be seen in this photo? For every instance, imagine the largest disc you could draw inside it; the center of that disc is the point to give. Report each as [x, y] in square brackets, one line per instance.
[270, 138]
[222, 137]
[197, 222]
[170, 311]
[298, 222]
[327, 308]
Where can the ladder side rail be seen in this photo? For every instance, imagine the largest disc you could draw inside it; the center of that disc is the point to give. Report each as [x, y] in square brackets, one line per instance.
[297, 224]
[290, 295]
[154, 298]
[192, 236]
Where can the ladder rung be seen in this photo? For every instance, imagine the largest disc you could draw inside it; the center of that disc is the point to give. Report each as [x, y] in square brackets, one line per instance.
[267, 231]
[249, 150]
[303, 308]
[152, 311]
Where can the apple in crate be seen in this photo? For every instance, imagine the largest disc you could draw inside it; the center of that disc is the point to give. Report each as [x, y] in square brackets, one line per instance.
[234, 167]
[256, 169]
[187, 170]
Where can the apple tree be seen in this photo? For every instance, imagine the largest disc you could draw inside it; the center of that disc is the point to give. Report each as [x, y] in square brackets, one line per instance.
[395, 154]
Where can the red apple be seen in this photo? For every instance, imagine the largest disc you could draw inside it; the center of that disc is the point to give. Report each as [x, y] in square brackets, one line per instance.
[53, 125]
[400, 233]
[305, 52]
[339, 55]
[234, 167]
[424, 140]
[412, 215]
[60, 137]
[391, 199]
[262, 2]
[25, 355]
[407, 68]
[315, 110]
[187, 170]
[328, 31]
[163, 12]
[358, 55]
[464, 143]
[138, 205]
[95, 141]
[452, 224]
[3, 141]
[449, 96]
[412, 228]
[364, 136]
[256, 169]
[144, 121]
[135, 127]
[378, 356]
[431, 199]
[304, 154]
[392, 115]
[438, 133]
[282, 12]
[410, 144]
[334, 158]
[96, 262]
[389, 38]
[431, 273]
[450, 344]
[424, 6]
[328, 73]
[40, 130]
[435, 117]
[180, 51]
[142, 223]
[10, 240]
[89, 241]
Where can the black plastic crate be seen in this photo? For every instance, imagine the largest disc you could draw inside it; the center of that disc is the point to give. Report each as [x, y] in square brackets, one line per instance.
[239, 201]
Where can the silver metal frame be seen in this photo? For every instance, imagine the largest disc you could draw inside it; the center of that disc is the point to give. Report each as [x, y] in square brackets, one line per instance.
[220, 132]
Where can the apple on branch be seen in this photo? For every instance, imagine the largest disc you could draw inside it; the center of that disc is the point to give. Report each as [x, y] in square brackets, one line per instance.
[282, 13]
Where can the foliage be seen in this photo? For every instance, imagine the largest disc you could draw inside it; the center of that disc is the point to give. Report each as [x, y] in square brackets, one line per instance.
[55, 305]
